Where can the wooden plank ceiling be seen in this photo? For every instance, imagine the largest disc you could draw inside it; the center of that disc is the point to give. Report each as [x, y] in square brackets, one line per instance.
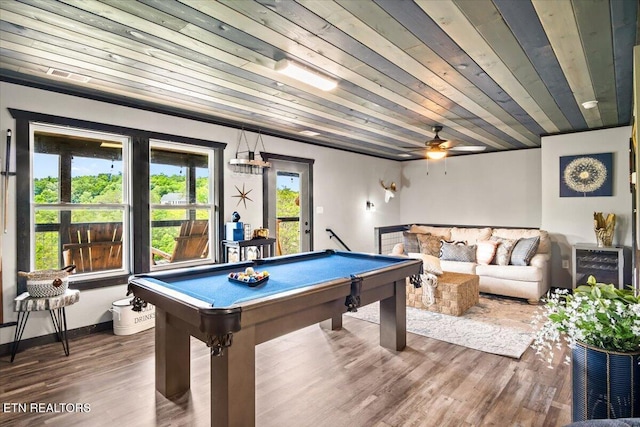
[493, 73]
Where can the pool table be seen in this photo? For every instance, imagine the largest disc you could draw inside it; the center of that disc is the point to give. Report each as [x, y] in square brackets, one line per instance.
[232, 318]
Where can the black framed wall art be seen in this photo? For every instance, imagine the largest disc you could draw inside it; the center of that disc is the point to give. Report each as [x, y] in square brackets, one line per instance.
[586, 175]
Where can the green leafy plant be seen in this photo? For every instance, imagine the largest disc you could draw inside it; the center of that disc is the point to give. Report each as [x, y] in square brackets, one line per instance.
[595, 314]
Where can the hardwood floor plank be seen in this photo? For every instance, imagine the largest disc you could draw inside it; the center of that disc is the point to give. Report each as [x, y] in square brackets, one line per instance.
[311, 377]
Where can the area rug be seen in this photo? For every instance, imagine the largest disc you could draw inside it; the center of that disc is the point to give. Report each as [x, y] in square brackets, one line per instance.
[495, 325]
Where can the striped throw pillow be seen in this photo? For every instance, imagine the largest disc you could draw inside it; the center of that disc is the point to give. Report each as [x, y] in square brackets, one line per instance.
[524, 250]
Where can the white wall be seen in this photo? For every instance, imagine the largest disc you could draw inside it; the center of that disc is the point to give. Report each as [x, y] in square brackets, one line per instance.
[342, 184]
[569, 220]
[498, 189]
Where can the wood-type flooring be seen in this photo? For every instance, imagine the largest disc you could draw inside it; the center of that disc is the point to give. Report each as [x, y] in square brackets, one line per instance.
[311, 377]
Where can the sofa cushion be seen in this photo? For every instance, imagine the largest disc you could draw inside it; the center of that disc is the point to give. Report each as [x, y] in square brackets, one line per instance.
[470, 235]
[512, 272]
[458, 267]
[430, 264]
[503, 252]
[523, 233]
[458, 251]
[444, 232]
[429, 244]
[486, 251]
[524, 250]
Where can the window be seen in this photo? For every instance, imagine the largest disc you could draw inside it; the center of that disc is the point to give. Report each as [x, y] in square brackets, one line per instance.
[180, 194]
[79, 203]
[105, 198]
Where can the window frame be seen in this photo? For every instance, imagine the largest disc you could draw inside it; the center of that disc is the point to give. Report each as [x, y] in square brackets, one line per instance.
[169, 145]
[139, 240]
[124, 206]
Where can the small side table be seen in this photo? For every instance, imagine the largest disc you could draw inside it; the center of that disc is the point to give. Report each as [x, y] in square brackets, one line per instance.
[25, 304]
[266, 247]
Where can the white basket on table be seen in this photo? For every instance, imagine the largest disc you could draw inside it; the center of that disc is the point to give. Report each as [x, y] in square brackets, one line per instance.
[47, 283]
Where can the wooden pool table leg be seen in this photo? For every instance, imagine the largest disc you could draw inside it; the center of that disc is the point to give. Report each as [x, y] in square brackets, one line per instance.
[393, 319]
[233, 382]
[332, 324]
[173, 355]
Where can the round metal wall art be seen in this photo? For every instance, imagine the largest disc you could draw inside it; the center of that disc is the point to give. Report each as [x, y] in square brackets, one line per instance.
[585, 174]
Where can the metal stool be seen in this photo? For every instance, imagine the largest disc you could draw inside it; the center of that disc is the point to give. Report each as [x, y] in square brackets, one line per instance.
[25, 304]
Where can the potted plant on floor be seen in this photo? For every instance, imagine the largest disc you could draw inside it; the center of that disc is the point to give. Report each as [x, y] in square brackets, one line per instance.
[601, 324]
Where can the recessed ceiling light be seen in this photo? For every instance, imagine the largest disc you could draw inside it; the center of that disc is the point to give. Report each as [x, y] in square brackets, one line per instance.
[589, 104]
[404, 155]
[309, 133]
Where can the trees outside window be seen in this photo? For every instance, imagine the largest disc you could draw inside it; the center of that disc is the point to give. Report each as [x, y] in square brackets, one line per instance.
[180, 194]
[79, 198]
[112, 200]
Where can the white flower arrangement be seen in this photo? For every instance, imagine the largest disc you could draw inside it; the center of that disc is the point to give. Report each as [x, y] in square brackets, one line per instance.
[595, 314]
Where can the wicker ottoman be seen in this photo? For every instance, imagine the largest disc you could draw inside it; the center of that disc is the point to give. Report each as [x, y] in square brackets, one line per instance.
[455, 294]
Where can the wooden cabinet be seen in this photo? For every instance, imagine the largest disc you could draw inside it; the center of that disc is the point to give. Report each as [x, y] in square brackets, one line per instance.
[606, 264]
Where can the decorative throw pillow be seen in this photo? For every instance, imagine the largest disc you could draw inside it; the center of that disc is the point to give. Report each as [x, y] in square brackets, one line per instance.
[457, 252]
[430, 264]
[410, 242]
[486, 251]
[503, 252]
[429, 244]
[524, 250]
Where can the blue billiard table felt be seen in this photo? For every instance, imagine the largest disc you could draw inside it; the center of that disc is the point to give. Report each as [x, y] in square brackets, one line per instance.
[218, 291]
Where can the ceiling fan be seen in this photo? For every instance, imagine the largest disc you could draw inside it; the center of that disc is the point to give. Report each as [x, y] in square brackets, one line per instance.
[437, 148]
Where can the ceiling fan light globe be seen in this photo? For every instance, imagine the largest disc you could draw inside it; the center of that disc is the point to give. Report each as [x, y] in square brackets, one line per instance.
[436, 154]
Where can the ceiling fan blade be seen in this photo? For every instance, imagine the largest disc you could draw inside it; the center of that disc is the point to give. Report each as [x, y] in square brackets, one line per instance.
[414, 148]
[447, 145]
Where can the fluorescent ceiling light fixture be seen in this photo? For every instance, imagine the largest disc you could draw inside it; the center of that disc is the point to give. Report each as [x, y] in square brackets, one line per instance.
[309, 133]
[305, 75]
[469, 148]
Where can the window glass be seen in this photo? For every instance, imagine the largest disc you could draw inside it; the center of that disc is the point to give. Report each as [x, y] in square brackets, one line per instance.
[180, 195]
[79, 200]
[288, 211]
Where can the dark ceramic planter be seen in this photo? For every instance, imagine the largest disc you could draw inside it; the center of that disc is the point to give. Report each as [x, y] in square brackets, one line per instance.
[605, 384]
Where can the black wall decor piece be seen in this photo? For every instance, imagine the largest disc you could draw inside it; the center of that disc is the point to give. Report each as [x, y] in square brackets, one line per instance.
[586, 175]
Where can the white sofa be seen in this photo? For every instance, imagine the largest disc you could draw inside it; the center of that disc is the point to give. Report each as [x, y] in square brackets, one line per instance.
[531, 281]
